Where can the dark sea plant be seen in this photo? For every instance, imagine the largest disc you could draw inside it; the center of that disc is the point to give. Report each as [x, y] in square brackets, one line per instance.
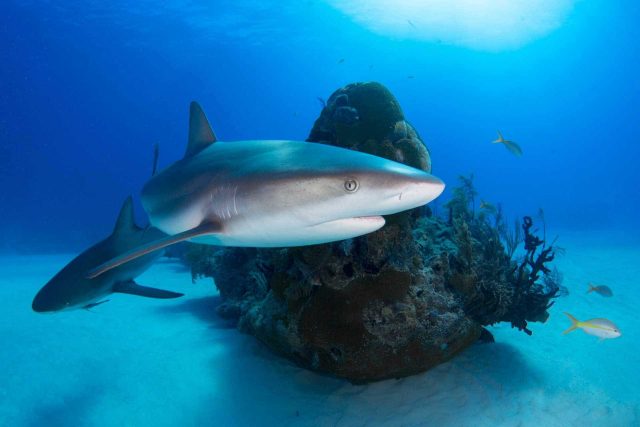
[512, 237]
[494, 287]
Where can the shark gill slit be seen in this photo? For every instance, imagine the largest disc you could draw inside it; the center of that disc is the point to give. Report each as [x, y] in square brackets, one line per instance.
[235, 193]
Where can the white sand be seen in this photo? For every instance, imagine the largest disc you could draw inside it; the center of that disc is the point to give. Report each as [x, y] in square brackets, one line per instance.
[138, 362]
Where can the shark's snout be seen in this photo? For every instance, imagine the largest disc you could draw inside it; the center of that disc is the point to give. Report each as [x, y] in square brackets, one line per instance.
[48, 300]
[422, 190]
[412, 190]
[39, 304]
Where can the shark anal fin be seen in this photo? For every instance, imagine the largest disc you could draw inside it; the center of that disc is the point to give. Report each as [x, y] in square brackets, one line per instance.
[202, 229]
[131, 287]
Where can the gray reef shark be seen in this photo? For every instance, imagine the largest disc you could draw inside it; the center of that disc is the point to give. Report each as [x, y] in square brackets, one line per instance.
[266, 193]
[70, 288]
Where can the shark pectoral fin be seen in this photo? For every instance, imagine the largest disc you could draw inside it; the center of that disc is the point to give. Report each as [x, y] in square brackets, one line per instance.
[202, 229]
[95, 304]
[131, 287]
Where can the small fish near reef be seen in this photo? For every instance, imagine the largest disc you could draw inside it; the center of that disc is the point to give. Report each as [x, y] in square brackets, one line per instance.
[601, 328]
[509, 145]
[602, 290]
[488, 206]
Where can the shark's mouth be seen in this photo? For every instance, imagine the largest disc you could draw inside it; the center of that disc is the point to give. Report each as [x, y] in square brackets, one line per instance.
[364, 222]
[374, 218]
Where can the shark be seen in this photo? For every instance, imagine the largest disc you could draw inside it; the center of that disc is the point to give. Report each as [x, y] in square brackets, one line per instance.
[273, 193]
[509, 145]
[71, 289]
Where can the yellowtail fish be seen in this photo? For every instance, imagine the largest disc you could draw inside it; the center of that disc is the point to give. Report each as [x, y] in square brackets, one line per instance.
[510, 145]
[487, 206]
[601, 328]
[603, 290]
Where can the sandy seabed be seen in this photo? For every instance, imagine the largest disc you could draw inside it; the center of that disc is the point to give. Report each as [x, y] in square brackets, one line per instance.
[141, 362]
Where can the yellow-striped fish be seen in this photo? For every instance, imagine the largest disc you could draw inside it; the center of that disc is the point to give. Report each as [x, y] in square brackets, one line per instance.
[603, 290]
[601, 328]
[509, 145]
[487, 206]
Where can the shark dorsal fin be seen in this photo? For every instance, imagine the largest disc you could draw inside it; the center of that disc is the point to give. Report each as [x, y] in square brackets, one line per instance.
[200, 133]
[126, 221]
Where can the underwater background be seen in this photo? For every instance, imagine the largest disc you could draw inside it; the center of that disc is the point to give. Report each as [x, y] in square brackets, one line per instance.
[88, 88]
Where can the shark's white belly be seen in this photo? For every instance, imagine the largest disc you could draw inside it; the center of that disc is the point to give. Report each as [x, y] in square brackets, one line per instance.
[280, 234]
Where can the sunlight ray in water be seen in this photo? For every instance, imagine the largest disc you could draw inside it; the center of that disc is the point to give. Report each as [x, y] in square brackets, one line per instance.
[479, 24]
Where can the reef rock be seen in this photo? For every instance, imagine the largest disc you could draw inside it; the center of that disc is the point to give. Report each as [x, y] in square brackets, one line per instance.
[367, 117]
[387, 304]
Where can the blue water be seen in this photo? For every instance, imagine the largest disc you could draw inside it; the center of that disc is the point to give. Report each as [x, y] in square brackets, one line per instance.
[88, 88]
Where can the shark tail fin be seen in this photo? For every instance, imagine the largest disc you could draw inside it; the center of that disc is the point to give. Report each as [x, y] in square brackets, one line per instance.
[575, 324]
[200, 133]
[125, 221]
[132, 288]
[591, 288]
[207, 228]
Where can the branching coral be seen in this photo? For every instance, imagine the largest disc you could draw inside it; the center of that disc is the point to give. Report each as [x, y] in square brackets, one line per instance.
[533, 299]
[493, 287]
[512, 237]
[461, 205]
[531, 244]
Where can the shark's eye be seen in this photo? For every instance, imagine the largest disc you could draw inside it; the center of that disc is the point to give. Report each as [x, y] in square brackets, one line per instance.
[351, 185]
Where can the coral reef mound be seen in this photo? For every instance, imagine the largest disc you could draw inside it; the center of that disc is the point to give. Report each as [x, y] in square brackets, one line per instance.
[367, 117]
[388, 304]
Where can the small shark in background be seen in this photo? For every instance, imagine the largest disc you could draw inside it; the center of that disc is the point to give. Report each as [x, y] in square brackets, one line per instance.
[601, 328]
[602, 290]
[510, 145]
[70, 289]
[264, 193]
